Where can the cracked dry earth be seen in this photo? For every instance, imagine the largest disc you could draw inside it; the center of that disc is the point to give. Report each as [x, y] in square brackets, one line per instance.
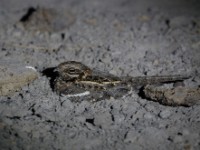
[123, 37]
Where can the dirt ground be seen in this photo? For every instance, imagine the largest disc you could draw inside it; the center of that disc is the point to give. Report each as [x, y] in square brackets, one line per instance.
[123, 37]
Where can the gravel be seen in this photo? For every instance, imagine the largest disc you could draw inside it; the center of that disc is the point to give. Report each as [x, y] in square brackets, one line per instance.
[123, 37]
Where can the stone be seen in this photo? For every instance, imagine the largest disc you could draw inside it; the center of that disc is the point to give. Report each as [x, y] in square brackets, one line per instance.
[165, 114]
[13, 77]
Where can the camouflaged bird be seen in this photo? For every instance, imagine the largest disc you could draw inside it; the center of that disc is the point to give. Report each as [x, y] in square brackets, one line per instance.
[78, 82]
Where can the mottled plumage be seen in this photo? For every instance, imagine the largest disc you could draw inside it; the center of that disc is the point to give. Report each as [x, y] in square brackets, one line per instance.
[75, 78]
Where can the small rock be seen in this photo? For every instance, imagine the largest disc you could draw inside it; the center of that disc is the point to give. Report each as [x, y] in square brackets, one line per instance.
[130, 137]
[178, 139]
[164, 114]
[186, 132]
[119, 118]
[14, 76]
[91, 21]
[148, 116]
[103, 119]
[46, 19]
[178, 21]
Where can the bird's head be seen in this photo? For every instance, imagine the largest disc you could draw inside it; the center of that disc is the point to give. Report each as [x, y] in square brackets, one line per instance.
[72, 70]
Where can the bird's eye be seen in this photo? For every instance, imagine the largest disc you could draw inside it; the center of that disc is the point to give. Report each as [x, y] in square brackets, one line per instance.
[72, 71]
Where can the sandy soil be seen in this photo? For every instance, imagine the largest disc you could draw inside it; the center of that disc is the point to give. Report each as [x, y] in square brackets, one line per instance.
[123, 37]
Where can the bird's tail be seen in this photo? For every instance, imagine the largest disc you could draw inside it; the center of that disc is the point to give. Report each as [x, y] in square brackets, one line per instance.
[141, 81]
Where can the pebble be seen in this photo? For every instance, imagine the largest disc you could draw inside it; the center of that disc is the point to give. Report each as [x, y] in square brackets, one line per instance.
[14, 76]
[148, 116]
[103, 119]
[131, 137]
[165, 114]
